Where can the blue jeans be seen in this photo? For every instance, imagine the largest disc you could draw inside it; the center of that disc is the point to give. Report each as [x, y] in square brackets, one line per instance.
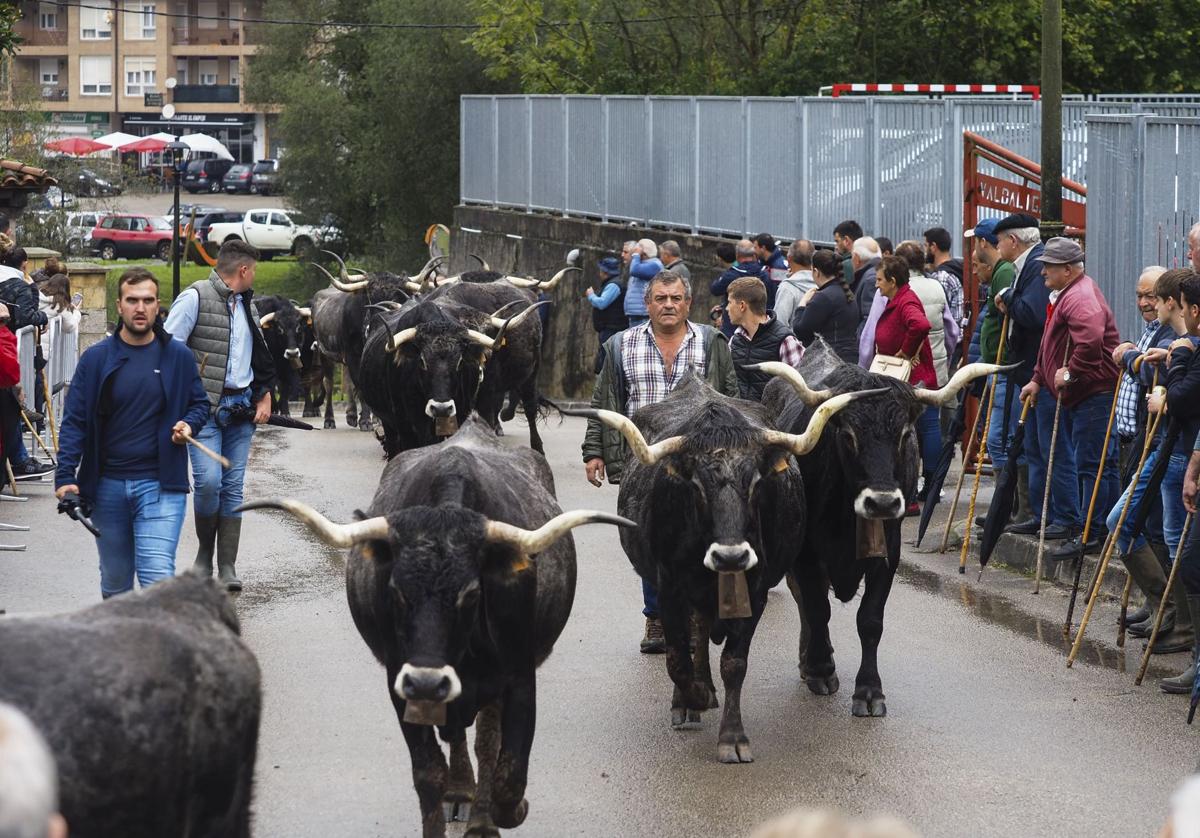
[14, 444]
[1076, 461]
[1173, 512]
[139, 527]
[929, 436]
[1064, 495]
[649, 600]
[218, 489]
[997, 442]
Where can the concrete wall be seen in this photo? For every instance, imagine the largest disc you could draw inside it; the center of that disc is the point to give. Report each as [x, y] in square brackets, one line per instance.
[532, 244]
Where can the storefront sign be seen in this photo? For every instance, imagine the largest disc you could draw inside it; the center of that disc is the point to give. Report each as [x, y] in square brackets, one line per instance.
[152, 100]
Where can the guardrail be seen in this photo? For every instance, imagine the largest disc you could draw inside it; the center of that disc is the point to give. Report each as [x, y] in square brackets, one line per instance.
[57, 374]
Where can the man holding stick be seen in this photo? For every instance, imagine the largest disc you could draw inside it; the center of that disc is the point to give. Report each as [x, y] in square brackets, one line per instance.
[134, 401]
[1079, 327]
[216, 318]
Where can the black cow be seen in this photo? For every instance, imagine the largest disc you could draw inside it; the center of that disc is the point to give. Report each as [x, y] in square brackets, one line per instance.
[714, 489]
[867, 469]
[460, 579]
[428, 363]
[283, 323]
[150, 702]
[316, 373]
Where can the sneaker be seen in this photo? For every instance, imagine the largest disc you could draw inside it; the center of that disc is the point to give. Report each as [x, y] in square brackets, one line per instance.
[32, 469]
[654, 642]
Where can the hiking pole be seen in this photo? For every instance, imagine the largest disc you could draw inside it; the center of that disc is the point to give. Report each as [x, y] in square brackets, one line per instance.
[1162, 605]
[987, 427]
[1087, 522]
[1037, 577]
[1112, 540]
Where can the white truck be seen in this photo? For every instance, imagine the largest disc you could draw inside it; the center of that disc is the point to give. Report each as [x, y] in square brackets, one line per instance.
[271, 231]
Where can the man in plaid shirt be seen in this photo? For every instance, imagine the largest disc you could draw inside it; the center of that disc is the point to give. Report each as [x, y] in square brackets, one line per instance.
[641, 366]
[1131, 400]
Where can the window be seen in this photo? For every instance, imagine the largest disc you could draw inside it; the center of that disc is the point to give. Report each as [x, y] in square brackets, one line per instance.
[206, 13]
[258, 218]
[181, 73]
[48, 70]
[234, 71]
[95, 21]
[280, 219]
[138, 225]
[47, 16]
[140, 21]
[140, 75]
[95, 75]
[208, 70]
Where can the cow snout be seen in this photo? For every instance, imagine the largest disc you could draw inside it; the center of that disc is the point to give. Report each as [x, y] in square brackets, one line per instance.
[439, 410]
[427, 683]
[872, 503]
[727, 558]
[293, 357]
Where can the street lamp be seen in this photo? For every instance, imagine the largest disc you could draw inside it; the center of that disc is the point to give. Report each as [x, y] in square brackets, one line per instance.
[179, 152]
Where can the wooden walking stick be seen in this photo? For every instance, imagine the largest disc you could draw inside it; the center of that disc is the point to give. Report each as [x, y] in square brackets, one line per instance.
[208, 452]
[1162, 606]
[50, 412]
[987, 426]
[1037, 577]
[37, 438]
[1112, 540]
[1124, 612]
[1087, 523]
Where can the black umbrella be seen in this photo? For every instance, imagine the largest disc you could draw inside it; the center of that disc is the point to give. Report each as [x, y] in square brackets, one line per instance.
[1004, 496]
[933, 484]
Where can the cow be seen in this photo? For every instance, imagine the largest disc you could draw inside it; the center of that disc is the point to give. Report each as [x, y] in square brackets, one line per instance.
[316, 373]
[429, 362]
[150, 702]
[460, 578]
[341, 315]
[866, 468]
[282, 322]
[714, 489]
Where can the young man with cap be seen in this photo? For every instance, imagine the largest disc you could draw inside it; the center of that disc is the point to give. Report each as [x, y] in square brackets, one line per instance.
[608, 306]
[1080, 328]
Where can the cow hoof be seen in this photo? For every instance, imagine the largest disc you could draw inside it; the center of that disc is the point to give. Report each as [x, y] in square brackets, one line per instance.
[351, 419]
[511, 818]
[366, 425]
[693, 716]
[684, 719]
[732, 753]
[869, 703]
[459, 810]
[826, 685]
[481, 830]
[309, 413]
[330, 424]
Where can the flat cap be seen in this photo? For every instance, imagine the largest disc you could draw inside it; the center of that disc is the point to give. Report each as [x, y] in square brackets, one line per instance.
[1016, 221]
[1062, 251]
[985, 230]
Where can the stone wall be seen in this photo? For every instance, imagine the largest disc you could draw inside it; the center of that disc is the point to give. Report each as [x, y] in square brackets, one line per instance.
[90, 280]
[535, 244]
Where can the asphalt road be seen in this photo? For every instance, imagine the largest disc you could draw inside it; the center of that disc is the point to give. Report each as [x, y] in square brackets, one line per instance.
[988, 733]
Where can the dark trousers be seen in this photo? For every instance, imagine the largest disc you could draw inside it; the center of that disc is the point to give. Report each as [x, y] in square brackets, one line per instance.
[1076, 461]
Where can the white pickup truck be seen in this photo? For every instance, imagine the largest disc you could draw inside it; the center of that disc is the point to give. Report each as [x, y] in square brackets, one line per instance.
[271, 231]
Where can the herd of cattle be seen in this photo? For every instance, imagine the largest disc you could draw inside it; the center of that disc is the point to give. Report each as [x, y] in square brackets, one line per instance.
[461, 573]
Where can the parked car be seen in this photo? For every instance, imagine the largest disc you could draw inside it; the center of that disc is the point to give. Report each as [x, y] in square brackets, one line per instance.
[79, 231]
[185, 211]
[52, 199]
[272, 231]
[84, 182]
[237, 179]
[205, 175]
[265, 179]
[127, 235]
[205, 223]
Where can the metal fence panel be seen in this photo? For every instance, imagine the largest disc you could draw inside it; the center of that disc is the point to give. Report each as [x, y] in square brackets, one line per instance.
[1114, 257]
[1172, 189]
[673, 161]
[912, 153]
[838, 157]
[721, 188]
[585, 155]
[512, 151]
[628, 158]
[772, 175]
[477, 150]
[548, 153]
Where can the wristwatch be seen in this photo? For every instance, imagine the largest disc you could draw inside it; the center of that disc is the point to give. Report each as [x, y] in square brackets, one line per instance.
[1066, 376]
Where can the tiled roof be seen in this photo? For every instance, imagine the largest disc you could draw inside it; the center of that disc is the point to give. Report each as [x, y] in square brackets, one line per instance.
[14, 175]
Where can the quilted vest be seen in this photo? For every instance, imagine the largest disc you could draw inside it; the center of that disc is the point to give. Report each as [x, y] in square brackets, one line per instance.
[210, 338]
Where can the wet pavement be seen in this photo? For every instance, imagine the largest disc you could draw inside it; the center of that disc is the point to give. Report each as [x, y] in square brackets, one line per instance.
[987, 733]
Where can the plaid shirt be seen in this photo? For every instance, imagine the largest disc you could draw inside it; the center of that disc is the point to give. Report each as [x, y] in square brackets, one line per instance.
[646, 379]
[790, 349]
[952, 285]
[1133, 392]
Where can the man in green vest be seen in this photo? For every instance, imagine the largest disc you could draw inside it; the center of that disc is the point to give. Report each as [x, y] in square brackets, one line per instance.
[217, 319]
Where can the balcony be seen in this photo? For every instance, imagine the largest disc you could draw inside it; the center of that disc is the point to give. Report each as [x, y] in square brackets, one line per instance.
[193, 36]
[51, 93]
[207, 93]
[35, 37]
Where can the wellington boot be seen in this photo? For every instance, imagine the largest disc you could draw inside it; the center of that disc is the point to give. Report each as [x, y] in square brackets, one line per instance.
[229, 532]
[1183, 613]
[1147, 574]
[1182, 683]
[206, 532]
[1163, 553]
[1023, 510]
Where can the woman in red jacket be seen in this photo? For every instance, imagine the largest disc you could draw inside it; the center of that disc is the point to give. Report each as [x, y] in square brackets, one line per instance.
[10, 368]
[903, 329]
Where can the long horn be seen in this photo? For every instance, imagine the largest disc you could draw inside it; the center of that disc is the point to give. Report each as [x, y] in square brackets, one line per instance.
[481, 339]
[495, 315]
[516, 319]
[646, 453]
[535, 541]
[305, 311]
[522, 282]
[386, 305]
[413, 287]
[960, 379]
[335, 535]
[549, 284]
[788, 373]
[266, 318]
[801, 444]
[483, 265]
[422, 278]
[349, 288]
[401, 337]
[342, 269]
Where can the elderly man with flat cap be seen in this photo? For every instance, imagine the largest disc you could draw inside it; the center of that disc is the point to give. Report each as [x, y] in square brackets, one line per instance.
[1080, 330]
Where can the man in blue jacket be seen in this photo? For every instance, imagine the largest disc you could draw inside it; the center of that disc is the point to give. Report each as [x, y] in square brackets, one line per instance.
[134, 400]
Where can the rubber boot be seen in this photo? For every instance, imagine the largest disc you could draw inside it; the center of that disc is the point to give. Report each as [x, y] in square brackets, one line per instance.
[1023, 510]
[1148, 575]
[229, 533]
[206, 532]
[1181, 684]
[1182, 637]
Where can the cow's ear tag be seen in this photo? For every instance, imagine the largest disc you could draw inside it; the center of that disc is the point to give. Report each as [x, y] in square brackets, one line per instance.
[733, 596]
[781, 464]
[671, 470]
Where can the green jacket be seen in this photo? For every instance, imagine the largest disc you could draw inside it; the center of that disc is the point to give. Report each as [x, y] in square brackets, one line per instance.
[989, 332]
[610, 394]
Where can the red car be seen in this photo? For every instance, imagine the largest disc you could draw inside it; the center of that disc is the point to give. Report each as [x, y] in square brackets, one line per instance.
[125, 235]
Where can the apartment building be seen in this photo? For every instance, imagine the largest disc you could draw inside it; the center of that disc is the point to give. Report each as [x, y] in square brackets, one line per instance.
[103, 65]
